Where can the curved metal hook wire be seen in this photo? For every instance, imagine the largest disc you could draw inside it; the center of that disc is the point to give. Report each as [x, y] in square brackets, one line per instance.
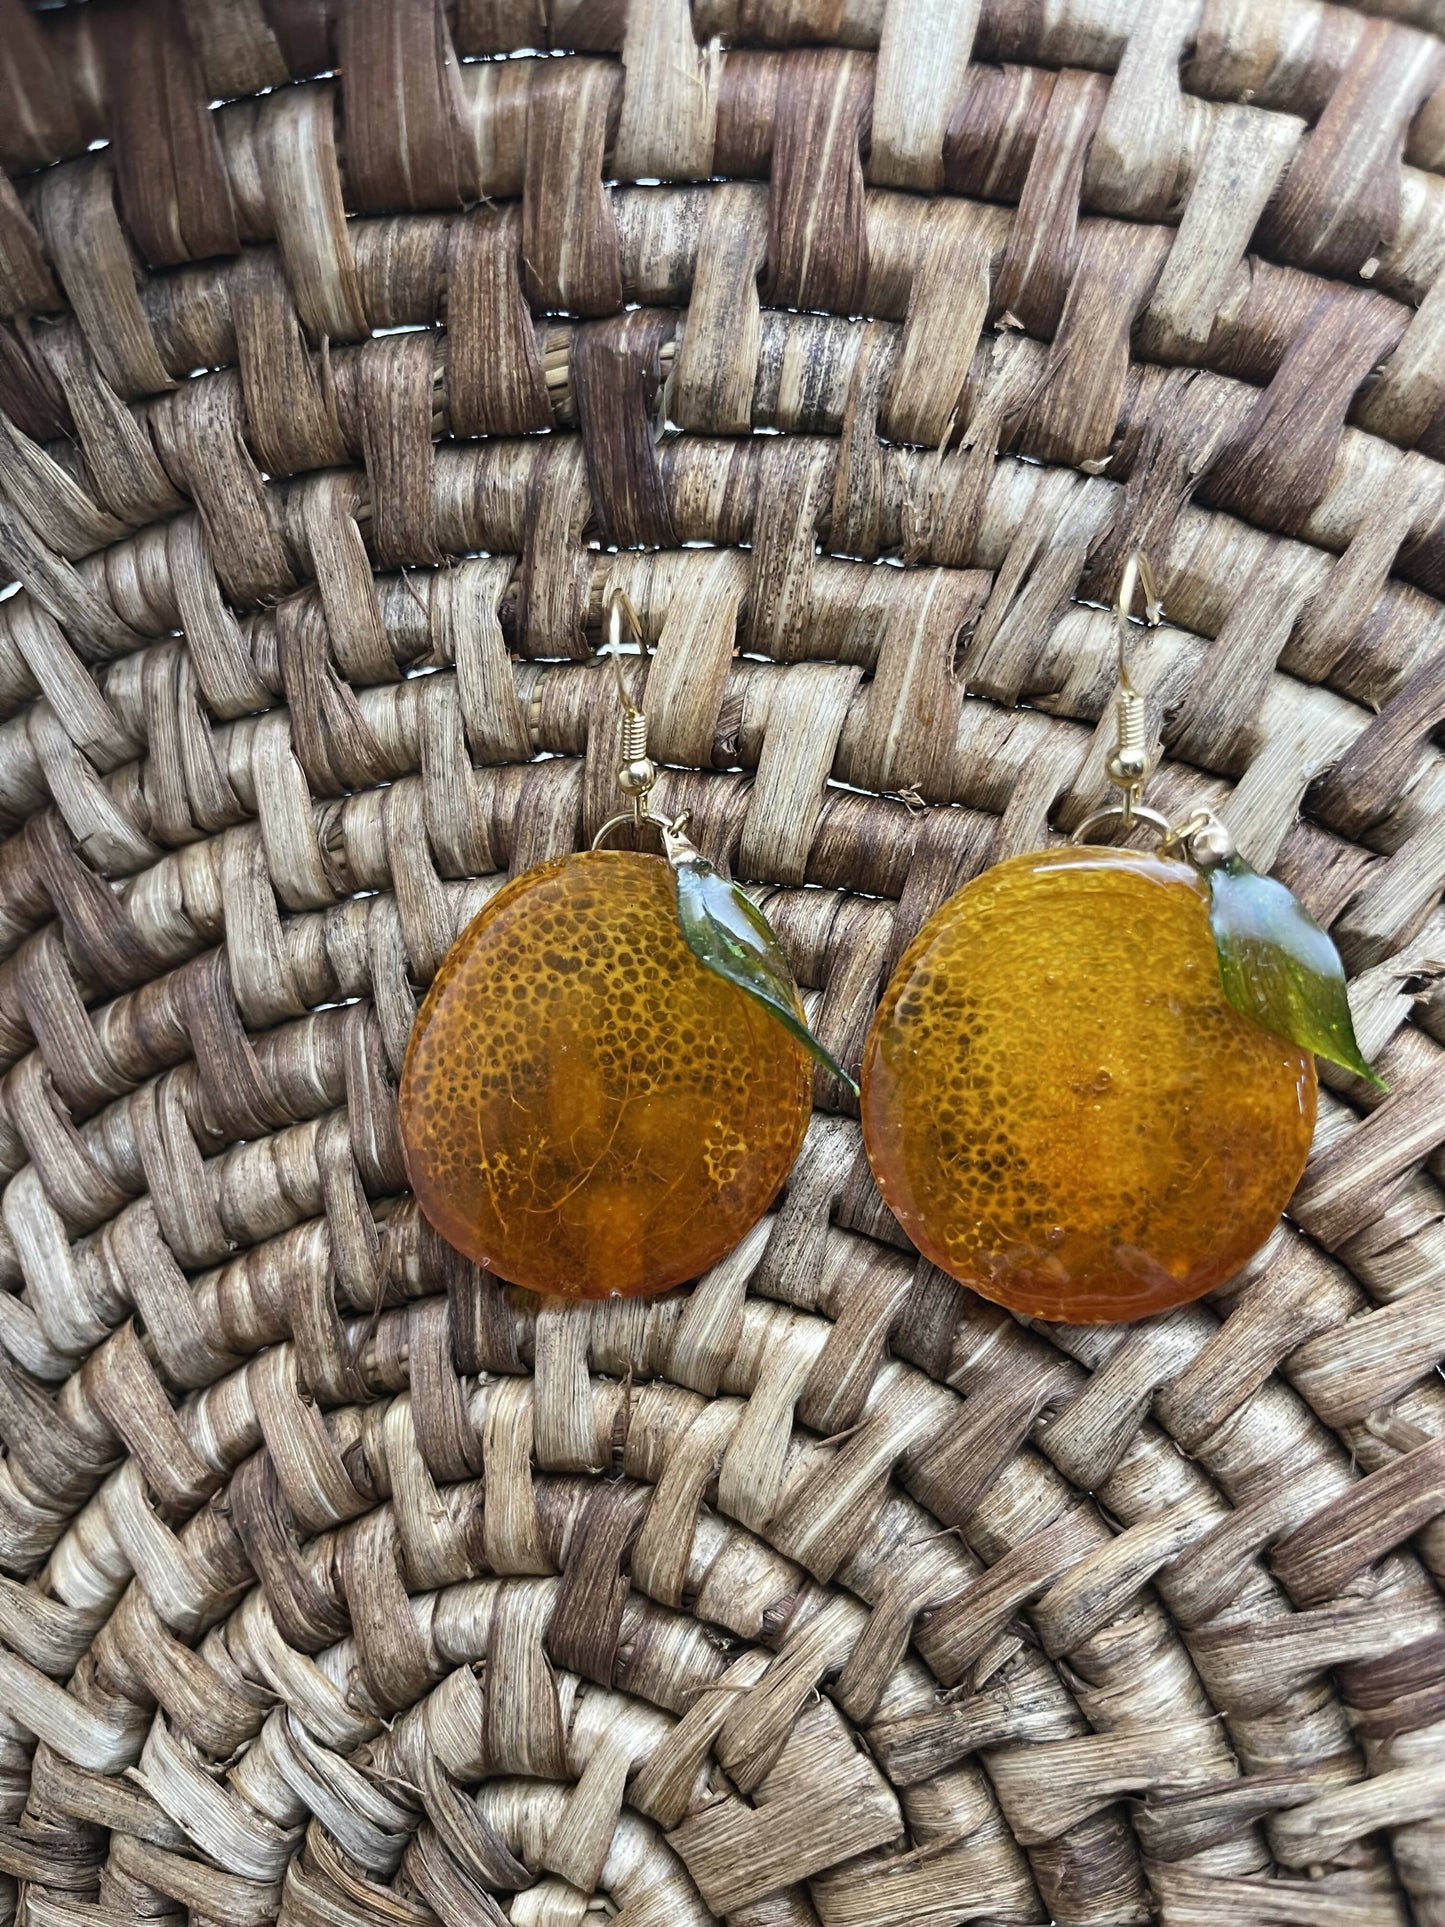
[1131, 762]
[636, 772]
[1137, 571]
[1203, 841]
[622, 609]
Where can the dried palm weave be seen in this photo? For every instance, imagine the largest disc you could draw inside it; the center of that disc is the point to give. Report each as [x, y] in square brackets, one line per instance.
[348, 1587]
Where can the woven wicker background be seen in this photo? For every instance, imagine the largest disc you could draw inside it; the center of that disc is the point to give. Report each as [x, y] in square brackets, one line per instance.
[349, 1586]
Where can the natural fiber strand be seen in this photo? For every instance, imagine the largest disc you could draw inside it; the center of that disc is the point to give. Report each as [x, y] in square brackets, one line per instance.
[346, 368]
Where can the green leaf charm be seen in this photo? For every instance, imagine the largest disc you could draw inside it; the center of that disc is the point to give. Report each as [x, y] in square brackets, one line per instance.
[1278, 967]
[729, 935]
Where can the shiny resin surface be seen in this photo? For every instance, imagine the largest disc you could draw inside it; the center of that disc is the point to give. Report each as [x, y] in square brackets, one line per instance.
[1059, 1104]
[585, 1109]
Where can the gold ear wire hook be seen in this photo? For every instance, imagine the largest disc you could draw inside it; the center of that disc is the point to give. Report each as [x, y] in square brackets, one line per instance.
[622, 609]
[636, 771]
[1203, 840]
[1132, 761]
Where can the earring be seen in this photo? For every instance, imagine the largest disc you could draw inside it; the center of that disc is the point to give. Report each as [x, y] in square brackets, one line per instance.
[1089, 1089]
[608, 1080]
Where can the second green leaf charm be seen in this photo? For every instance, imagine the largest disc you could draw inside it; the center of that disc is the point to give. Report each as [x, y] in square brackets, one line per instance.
[1279, 967]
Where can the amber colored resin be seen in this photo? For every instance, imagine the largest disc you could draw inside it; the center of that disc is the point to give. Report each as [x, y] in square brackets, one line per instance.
[1059, 1104]
[585, 1109]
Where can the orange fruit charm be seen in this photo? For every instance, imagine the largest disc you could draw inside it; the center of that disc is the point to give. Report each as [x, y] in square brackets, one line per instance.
[1061, 1107]
[585, 1108]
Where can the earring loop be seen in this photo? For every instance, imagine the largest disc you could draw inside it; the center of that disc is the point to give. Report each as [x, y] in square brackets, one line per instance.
[636, 771]
[1203, 840]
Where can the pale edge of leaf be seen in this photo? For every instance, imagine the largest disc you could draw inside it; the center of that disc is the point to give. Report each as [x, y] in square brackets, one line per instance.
[1344, 1049]
[763, 974]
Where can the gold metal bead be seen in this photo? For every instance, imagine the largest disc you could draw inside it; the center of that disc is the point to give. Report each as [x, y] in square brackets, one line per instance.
[637, 777]
[1128, 766]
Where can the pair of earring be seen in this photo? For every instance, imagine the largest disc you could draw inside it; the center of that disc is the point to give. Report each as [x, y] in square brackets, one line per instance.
[1087, 1092]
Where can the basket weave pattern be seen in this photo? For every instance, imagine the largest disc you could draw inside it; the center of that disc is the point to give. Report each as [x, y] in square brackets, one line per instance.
[349, 1586]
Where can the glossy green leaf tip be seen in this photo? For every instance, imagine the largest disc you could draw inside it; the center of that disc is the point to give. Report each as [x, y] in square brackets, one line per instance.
[1279, 967]
[729, 935]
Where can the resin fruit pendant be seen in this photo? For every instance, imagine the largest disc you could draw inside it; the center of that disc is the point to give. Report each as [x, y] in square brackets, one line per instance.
[1061, 1107]
[586, 1108]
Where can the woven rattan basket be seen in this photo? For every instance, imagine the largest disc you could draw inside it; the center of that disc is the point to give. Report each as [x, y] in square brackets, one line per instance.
[858, 340]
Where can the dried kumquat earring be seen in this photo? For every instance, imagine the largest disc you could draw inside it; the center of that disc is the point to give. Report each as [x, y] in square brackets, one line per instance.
[1089, 1090]
[608, 1080]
